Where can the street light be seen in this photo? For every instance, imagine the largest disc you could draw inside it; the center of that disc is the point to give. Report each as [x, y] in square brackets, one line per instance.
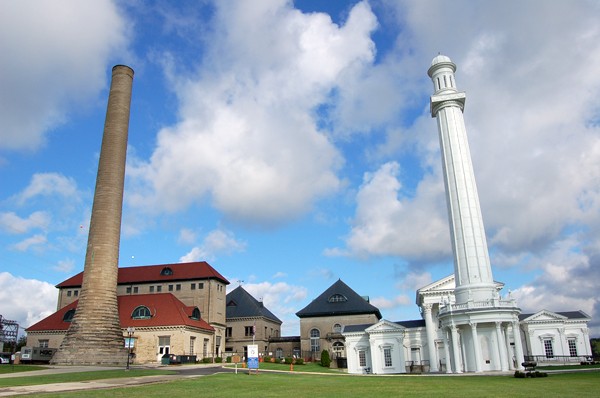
[130, 332]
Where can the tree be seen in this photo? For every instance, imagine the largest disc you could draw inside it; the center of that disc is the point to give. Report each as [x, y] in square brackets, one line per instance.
[595, 343]
[325, 359]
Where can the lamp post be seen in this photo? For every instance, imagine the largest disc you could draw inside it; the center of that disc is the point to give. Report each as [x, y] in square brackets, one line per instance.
[130, 332]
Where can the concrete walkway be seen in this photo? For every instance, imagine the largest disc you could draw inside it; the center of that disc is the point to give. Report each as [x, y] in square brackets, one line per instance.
[188, 371]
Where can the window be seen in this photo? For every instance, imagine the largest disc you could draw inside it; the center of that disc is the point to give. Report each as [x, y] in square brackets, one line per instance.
[68, 317]
[279, 353]
[315, 340]
[228, 332]
[266, 329]
[128, 290]
[76, 293]
[572, 347]
[201, 285]
[158, 289]
[205, 348]
[151, 289]
[337, 328]
[338, 349]
[387, 357]
[170, 288]
[362, 358]
[178, 287]
[337, 298]
[43, 343]
[195, 314]
[192, 343]
[193, 286]
[141, 312]
[69, 293]
[135, 290]
[166, 271]
[548, 348]
[249, 331]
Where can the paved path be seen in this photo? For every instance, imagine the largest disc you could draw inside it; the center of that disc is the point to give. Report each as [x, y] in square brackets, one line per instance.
[187, 371]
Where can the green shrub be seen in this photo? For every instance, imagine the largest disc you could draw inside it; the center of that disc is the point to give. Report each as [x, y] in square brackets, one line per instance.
[289, 360]
[325, 359]
[207, 360]
[299, 361]
[266, 358]
[228, 359]
[218, 359]
[519, 375]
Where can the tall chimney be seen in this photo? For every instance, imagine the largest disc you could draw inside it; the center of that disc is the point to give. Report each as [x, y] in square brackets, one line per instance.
[95, 336]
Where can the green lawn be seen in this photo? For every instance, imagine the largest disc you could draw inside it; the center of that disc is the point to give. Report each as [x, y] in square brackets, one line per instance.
[4, 369]
[306, 385]
[313, 367]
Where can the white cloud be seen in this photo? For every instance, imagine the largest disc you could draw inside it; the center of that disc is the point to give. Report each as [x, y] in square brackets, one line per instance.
[215, 242]
[384, 303]
[282, 299]
[248, 138]
[13, 224]
[49, 184]
[32, 242]
[57, 58]
[386, 223]
[26, 301]
[187, 235]
[65, 265]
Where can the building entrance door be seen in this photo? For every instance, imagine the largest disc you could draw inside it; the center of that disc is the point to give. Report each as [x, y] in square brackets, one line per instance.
[164, 347]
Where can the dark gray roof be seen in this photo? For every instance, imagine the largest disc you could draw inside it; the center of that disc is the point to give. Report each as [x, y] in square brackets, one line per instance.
[567, 314]
[356, 328]
[416, 323]
[241, 304]
[350, 304]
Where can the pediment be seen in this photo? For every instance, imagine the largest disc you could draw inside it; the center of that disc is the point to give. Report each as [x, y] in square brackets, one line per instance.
[384, 326]
[440, 285]
[545, 316]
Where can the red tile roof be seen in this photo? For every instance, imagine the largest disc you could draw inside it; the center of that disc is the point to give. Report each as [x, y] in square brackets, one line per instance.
[152, 273]
[165, 308]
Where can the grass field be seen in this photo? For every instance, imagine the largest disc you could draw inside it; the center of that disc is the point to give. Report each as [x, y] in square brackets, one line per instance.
[268, 384]
[296, 385]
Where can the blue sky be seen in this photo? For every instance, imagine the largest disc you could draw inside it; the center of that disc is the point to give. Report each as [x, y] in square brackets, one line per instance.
[290, 144]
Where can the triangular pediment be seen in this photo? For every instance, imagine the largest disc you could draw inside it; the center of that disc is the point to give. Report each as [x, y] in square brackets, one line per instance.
[443, 284]
[544, 315]
[384, 326]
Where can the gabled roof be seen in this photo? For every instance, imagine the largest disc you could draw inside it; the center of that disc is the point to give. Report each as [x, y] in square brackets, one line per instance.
[157, 273]
[545, 315]
[165, 308]
[338, 299]
[241, 304]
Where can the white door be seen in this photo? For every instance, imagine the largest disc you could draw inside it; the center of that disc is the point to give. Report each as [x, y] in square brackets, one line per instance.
[164, 347]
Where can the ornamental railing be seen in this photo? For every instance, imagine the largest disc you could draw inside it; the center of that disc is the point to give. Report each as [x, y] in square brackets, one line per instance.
[491, 304]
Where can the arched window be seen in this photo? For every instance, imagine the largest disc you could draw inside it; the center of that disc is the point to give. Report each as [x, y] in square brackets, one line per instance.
[141, 312]
[68, 317]
[337, 328]
[195, 314]
[315, 340]
[166, 271]
[337, 298]
[279, 353]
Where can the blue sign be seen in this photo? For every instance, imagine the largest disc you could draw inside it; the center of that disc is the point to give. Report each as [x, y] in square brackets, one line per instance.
[252, 363]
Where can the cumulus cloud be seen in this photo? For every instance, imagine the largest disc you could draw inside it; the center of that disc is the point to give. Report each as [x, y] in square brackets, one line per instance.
[282, 299]
[36, 242]
[386, 223]
[248, 138]
[13, 224]
[26, 301]
[59, 59]
[215, 242]
[49, 184]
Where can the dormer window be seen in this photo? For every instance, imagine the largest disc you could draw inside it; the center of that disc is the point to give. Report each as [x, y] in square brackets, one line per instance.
[68, 317]
[195, 314]
[166, 271]
[232, 304]
[337, 298]
[141, 312]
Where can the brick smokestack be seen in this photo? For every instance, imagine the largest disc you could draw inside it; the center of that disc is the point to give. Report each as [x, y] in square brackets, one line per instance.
[95, 336]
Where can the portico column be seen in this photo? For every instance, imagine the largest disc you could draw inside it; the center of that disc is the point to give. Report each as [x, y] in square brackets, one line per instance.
[511, 362]
[429, 327]
[455, 349]
[518, 345]
[501, 347]
[447, 350]
[476, 347]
